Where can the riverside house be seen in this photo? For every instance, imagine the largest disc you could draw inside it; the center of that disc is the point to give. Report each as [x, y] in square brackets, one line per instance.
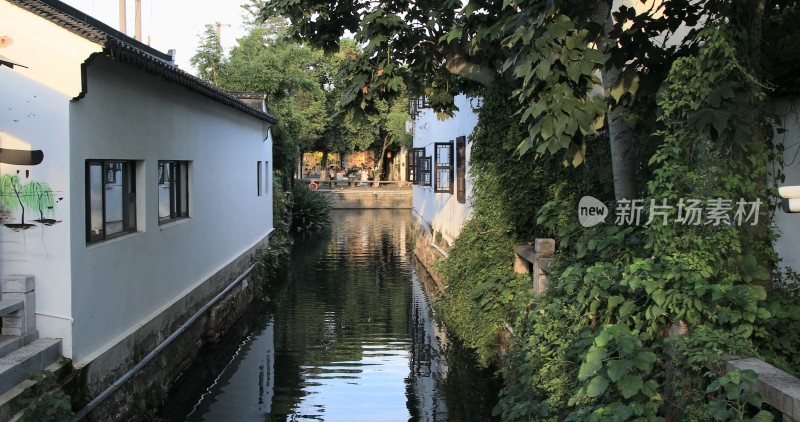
[439, 166]
[132, 192]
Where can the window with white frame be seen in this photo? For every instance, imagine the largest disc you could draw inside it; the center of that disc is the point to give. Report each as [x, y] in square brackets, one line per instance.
[110, 198]
[173, 190]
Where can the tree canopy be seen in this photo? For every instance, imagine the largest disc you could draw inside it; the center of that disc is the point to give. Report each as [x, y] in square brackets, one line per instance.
[303, 87]
[634, 314]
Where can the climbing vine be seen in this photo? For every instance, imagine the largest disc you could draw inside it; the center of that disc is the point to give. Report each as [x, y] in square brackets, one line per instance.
[638, 314]
[482, 291]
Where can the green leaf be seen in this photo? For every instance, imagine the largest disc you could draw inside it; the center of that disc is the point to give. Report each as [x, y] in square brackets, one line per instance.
[763, 416]
[593, 362]
[603, 338]
[659, 297]
[454, 34]
[597, 386]
[618, 368]
[626, 82]
[644, 360]
[718, 119]
[615, 300]
[629, 385]
[595, 56]
[574, 71]
[626, 308]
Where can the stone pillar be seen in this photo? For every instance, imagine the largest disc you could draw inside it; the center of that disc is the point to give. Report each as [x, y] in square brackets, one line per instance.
[544, 249]
[23, 321]
[534, 259]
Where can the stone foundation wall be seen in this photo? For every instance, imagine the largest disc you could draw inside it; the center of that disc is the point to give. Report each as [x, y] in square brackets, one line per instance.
[428, 251]
[141, 395]
[368, 199]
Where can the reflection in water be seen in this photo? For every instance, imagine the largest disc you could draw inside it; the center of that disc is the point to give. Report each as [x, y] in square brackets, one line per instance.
[349, 336]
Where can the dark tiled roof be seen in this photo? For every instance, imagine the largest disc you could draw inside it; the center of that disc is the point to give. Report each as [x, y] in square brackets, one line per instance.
[123, 48]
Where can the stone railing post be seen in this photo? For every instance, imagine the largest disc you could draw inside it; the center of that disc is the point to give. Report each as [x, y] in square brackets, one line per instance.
[23, 321]
[544, 248]
[534, 260]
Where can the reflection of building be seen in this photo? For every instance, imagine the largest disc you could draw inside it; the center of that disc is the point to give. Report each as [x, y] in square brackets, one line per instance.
[438, 165]
[428, 365]
[162, 184]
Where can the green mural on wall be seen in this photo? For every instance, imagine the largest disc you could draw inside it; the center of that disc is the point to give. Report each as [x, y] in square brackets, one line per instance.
[15, 194]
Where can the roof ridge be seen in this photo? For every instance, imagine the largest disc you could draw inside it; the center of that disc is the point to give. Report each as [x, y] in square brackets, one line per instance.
[121, 47]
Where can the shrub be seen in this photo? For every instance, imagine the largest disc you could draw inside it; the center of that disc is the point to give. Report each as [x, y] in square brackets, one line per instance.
[310, 210]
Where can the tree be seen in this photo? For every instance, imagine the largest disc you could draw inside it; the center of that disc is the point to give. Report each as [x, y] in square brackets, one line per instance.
[285, 72]
[208, 58]
[569, 62]
[389, 121]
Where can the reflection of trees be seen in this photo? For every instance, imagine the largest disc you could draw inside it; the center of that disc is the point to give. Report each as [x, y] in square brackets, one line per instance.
[347, 289]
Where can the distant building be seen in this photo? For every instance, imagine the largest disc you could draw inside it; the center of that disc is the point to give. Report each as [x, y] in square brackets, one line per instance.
[144, 189]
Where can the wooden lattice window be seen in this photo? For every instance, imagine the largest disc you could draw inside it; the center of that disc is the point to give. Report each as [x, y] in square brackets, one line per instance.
[443, 162]
[413, 174]
[424, 171]
[461, 169]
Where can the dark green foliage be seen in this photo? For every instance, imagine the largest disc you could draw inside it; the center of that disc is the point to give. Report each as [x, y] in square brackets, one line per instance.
[310, 210]
[598, 345]
[43, 402]
[777, 338]
[482, 288]
[269, 260]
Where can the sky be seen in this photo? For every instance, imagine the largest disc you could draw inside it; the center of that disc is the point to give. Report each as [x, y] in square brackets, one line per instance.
[172, 24]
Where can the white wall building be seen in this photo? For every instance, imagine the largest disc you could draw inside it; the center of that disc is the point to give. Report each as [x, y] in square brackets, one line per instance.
[439, 165]
[150, 186]
[788, 224]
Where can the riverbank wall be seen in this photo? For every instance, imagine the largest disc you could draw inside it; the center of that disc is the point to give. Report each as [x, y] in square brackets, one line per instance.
[368, 198]
[158, 352]
[430, 249]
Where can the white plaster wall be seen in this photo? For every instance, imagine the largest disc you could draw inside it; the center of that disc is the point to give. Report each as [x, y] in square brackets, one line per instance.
[442, 211]
[126, 114]
[52, 54]
[788, 225]
[34, 116]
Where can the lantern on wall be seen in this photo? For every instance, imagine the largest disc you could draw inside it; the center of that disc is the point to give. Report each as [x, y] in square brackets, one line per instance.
[388, 154]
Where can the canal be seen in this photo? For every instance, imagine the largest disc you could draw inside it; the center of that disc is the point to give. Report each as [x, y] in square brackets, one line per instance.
[346, 334]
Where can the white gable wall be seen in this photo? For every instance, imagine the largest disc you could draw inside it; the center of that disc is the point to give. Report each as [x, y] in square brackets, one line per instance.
[120, 283]
[442, 211]
[34, 116]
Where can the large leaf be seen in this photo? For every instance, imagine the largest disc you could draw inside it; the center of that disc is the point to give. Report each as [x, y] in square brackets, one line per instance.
[597, 386]
[629, 385]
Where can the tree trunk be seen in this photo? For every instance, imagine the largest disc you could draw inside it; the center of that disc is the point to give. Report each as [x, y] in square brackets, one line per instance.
[620, 133]
[379, 161]
[323, 164]
[457, 63]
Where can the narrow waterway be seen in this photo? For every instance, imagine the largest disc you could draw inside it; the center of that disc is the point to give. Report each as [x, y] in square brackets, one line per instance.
[347, 336]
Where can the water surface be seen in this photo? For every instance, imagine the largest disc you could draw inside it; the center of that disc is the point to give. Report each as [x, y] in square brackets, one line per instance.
[347, 336]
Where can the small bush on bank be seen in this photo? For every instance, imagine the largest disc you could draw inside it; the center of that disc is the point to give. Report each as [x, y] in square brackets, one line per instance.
[310, 210]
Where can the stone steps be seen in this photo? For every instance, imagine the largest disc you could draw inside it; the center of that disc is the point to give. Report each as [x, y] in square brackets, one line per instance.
[10, 343]
[18, 365]
[22, 352]
[11, 401]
